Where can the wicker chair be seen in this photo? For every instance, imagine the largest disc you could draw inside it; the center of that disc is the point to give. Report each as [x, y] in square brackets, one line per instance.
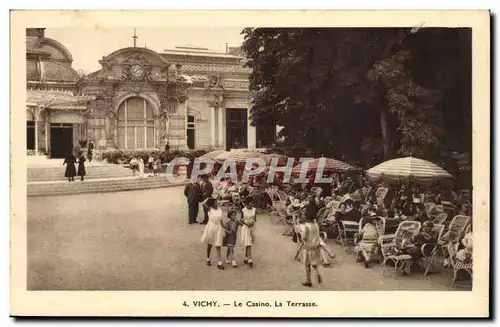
[389, 242]
[458, 265]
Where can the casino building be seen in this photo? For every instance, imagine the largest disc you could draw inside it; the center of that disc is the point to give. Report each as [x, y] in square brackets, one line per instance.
[139, 99]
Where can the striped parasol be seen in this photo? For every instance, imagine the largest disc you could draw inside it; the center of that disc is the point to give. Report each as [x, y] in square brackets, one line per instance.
[330, 165]
[282, 159]
[408, 168]
[238, 156]
[213, 154]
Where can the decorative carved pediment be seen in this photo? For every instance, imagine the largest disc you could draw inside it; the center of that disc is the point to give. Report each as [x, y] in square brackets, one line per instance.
[136, 68]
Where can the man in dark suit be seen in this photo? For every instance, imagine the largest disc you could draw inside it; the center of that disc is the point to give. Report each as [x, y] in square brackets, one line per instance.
[206, 192]
[192, 191]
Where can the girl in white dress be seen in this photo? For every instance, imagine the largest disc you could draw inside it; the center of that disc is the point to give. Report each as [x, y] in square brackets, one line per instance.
[214, 232]
[247, 234]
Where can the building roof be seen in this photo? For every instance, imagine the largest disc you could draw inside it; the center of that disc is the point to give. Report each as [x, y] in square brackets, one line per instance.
[214, 68]
[47, 60]
[201, 60]
[50, 71]
[55, 99]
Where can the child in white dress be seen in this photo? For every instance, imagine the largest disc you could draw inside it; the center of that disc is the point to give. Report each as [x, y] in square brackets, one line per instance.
[214, 232]
[312, 247]
[247, 234]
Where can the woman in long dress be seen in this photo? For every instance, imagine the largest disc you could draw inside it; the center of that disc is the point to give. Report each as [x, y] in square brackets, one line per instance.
[367, 245]
[141, 167]
[81, 166]
[70, 173]
[214, 232]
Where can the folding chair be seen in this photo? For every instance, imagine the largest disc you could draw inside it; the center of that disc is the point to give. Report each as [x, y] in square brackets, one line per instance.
[276, 202]
[347, 230]
[281, 210]
[428, 260]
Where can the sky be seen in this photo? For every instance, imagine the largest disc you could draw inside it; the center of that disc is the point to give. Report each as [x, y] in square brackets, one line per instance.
[89, 45]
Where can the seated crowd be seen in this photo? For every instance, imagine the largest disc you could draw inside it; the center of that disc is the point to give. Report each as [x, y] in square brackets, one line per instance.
[353, 199]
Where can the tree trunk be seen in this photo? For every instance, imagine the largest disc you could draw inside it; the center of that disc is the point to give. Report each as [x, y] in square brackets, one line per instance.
[386, 141]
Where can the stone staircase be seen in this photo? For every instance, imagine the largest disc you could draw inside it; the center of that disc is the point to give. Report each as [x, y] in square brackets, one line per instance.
[46, 188]
[45, 180]
[41, 174]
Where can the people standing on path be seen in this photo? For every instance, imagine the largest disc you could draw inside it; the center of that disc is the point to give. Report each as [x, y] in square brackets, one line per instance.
[214, 232]
[247, 234]
[192, 192]
[312, 247]
[207, 190]
[70, 172]
[134, 165]
[141, 167]
[81, 166]
[157, 166]
[150, 165]
[90, 150]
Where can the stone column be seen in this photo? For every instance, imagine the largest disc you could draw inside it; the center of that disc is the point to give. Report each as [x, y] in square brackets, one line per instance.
[183, 140]
[37, 117]
[212, 126]
[251, 133]
[221, 141]
[47, 131]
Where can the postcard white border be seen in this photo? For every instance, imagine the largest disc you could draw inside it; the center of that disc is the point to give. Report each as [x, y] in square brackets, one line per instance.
[331, 304]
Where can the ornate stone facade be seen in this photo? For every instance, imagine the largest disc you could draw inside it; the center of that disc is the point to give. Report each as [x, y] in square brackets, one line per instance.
[144, 99]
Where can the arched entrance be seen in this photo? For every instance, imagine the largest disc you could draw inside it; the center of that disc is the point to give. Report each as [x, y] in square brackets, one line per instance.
[136, 124]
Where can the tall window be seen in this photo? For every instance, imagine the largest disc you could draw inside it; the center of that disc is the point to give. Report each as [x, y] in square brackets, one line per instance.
[190, 132]
[135, 124]
[265, 135]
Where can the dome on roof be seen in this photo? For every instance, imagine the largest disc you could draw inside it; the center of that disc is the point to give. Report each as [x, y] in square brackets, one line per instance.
[54, 71]
[50, 71]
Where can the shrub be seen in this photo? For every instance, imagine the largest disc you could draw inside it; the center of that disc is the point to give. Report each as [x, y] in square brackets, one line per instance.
[124, 156]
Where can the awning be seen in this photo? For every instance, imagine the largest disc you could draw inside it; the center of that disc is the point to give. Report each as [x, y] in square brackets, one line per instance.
[57, 99]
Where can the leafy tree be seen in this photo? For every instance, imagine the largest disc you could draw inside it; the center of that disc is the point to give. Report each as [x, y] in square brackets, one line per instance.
[326, 86]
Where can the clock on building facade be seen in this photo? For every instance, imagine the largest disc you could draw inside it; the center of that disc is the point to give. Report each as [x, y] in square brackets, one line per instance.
[137, 71]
